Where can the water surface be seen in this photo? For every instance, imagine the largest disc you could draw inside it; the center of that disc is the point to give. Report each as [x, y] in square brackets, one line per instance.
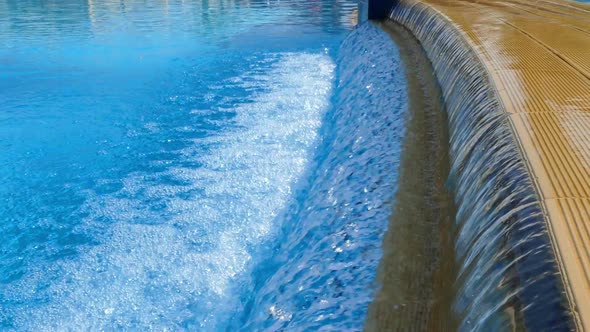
[153, 152]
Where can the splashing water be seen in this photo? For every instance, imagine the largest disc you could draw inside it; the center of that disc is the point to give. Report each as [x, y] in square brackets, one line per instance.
[149, 153]
[326, 258]
[177, 254]
[154, 154]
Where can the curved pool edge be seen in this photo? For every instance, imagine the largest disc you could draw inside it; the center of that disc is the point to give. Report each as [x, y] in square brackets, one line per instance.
[418, 245]
[530, 237]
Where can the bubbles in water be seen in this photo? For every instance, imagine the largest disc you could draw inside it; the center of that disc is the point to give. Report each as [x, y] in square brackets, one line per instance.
[326, 258]
[178, 239]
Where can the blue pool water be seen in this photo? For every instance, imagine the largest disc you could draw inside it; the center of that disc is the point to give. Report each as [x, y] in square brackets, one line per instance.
[212, 165]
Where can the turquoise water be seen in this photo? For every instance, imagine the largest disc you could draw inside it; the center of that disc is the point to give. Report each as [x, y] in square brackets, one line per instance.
[209, 165]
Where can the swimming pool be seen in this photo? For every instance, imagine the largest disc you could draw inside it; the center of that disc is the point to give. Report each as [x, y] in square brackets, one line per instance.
[206, 165]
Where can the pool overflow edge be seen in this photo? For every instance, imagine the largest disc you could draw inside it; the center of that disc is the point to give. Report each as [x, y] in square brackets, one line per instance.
[531, 267]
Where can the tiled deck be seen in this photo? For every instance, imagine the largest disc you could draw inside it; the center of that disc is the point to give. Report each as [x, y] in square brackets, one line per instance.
[538, 54]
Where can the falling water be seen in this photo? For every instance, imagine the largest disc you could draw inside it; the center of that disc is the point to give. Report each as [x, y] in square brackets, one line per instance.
[507, 277]
[325, 261]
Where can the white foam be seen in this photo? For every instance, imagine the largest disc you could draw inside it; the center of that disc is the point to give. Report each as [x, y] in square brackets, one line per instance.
[174, 271]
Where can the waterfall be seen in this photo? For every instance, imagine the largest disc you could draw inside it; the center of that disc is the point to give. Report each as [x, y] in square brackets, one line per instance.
[321, 270]
[507, 277]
